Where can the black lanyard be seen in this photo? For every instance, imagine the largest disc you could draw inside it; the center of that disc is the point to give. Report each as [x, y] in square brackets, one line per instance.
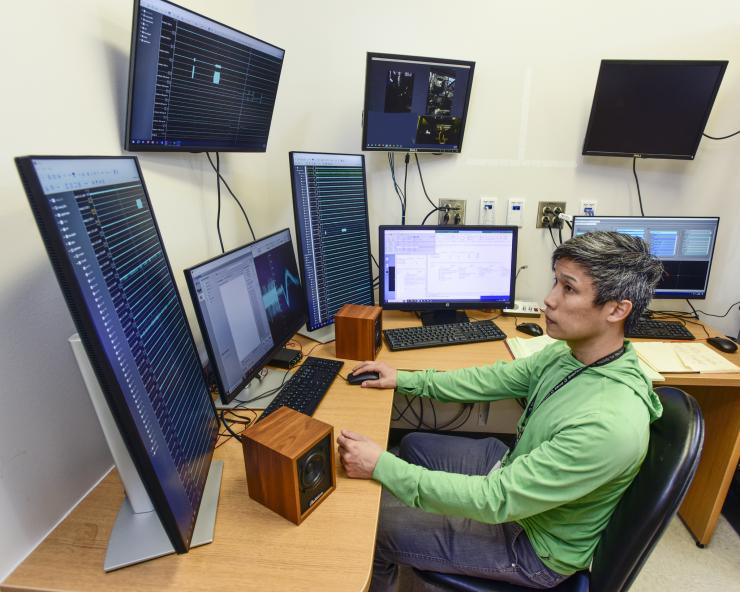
[571, 375]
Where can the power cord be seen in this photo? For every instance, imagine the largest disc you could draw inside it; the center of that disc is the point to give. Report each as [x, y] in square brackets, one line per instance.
[720, 137]
[221, 179]
[637, 181]
[401, 193]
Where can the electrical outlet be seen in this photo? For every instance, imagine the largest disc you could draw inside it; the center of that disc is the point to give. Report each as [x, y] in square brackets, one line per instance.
[487, 211]
[547, 214]
[588, 207]
[454, 213]
[515, 212]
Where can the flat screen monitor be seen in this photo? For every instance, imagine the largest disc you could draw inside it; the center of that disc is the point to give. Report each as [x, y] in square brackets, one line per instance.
[197, 85]
[415, 104]
[442, 270]
[684, 245]
[331, 221]
[249, 304]
[651, 108]
[99, 230]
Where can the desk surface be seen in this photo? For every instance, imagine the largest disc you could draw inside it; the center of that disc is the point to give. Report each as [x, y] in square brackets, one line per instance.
[255, 549]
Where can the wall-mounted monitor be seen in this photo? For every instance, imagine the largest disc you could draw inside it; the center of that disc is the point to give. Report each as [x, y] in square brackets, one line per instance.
[197, 85]
[415, 104]
[651, 108]
[684, 245]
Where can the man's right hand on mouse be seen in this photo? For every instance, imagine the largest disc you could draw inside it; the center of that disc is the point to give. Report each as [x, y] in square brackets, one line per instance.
[387, 374]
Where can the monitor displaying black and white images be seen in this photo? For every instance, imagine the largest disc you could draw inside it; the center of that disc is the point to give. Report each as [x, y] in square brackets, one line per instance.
[415, 104]
[196, 84]
[249, 302]
[99, 230]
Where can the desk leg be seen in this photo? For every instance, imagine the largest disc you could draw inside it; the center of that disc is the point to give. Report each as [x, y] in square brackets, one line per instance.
[703, 503]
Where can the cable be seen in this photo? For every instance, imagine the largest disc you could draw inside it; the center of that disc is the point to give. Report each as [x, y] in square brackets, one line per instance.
[218, 191]
[430, 213]
[236, 199]
[721, 137]
[423, 186]
[719, 316]
[375, 260]
[405, 195]
[552, 237]
[634, 172]
[396, 187]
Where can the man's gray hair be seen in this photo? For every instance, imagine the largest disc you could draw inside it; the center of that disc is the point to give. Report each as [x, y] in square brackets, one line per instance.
[620, 266]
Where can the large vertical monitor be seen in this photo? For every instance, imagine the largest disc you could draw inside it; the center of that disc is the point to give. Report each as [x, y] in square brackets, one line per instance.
[415, 104]
[684, 245]
[331, 221]
[196, 84]
[99, 230]
[651, 108]
[249, 303]
[443, 270]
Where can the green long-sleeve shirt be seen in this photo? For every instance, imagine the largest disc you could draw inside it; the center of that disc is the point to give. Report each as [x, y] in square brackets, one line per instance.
[579, 451]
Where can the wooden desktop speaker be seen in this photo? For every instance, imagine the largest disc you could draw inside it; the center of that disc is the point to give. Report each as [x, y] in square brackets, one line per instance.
[290, 463]
[358, 331]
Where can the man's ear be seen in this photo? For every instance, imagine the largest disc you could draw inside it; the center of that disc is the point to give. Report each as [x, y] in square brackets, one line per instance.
[620, 310]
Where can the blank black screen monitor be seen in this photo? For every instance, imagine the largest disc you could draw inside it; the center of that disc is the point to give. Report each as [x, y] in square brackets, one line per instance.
[99, 230]
[651, 108]
[196, 84]
[415, 104]
[331, 221]
[684, 245]
[442, 269]
[249, 303]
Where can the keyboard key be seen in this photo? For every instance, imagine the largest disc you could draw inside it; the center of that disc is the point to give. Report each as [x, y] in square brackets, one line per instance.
[439, 335]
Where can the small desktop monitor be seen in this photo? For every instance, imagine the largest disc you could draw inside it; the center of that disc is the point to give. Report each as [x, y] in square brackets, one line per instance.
[415, 104]
[443, 270]
[249, 304]
[98, 227]
[331, 221]
[684, 245]
[651, 108]
[197, 85]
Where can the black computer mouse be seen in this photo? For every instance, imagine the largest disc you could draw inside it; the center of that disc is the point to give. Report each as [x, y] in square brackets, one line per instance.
[724, 345]
[530, 329]
[361, 377]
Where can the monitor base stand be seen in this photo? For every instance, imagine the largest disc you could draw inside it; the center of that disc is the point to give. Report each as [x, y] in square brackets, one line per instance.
[443, 317]
[254, 390]
[140, 537]
[322, 334]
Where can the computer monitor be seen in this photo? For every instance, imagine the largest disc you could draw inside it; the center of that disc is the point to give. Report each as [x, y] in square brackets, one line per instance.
[651, 108]
[97, 225]
[684, 245]
[196, 84]
[249, 304]
[415, 104]
[441, 270]
[331, 221]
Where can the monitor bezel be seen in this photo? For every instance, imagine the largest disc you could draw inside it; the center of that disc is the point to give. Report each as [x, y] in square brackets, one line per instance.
[713, 63]
[228, 397]
[673, 296]
[127, 144]
[401, 57]
[93, 344]
[451, 304]
[299, 241]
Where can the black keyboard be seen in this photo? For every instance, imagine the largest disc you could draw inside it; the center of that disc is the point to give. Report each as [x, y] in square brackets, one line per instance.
[652, 329]
[305, 389]
[438, 335]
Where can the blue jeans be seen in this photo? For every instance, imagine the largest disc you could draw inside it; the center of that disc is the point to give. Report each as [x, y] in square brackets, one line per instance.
[430, 542]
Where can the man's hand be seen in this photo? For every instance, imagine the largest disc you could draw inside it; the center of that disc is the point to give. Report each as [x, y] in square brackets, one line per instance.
[386, 374]
[358, 453]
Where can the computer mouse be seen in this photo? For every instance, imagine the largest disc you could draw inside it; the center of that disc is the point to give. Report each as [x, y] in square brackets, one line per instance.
[530, 329]
[361, 377]
[724, 345]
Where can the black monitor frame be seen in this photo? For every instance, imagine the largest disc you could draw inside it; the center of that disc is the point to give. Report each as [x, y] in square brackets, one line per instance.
[226, 395]
[447, 309]
[600, 83]
[400, 57]
[96, 348]
[128, 145]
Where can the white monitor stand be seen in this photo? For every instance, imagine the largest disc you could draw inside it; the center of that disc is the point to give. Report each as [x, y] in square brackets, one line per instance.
[254, 395]
[138, 534]
[322, 335]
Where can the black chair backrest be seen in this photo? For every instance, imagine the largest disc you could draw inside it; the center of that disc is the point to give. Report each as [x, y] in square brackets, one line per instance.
[654, 496]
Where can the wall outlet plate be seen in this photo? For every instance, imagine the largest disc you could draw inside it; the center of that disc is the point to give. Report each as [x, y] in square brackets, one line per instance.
[456, 214]
[588, 207]
[487, 211]
[547, 214]
[515, 212]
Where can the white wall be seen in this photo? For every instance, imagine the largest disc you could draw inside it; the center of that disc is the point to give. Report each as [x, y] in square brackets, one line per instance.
[66, 70]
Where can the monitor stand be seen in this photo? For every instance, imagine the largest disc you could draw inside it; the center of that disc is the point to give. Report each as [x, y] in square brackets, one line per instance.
[443, 317]
[138, 534]
[322, 334]
[252, 396]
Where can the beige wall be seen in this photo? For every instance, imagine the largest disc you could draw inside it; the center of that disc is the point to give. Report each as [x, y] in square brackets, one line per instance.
[66, 67]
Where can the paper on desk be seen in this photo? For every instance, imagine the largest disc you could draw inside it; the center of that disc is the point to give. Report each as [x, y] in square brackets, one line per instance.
[669, 357]
[702, 359]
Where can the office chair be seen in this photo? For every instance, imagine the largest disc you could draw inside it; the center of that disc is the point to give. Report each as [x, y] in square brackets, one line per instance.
[641, 516]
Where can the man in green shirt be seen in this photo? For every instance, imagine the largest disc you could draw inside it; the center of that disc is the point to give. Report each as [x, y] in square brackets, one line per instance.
[532, 515]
